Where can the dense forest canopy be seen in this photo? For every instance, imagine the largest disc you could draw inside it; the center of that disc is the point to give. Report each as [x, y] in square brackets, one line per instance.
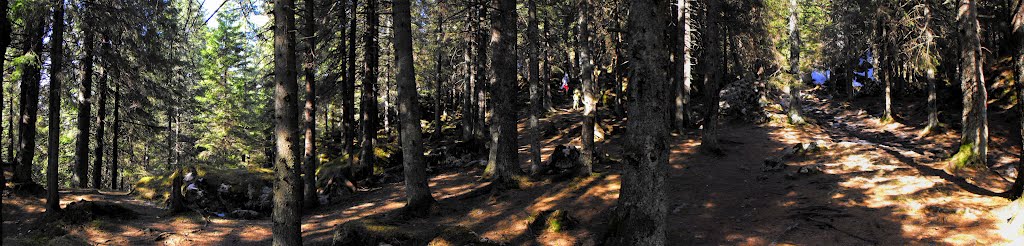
[276, 109]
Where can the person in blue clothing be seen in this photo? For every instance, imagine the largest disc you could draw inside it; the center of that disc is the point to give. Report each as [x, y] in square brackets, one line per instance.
[565, 83]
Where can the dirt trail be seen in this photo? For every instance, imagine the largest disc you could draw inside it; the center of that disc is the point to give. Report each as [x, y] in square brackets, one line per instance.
[878, 184]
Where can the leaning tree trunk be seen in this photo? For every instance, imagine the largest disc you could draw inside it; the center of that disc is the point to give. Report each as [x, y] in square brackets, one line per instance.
[1017, 188]
[56, 77]
[101, 115]
[348, 95]
[29, 106]
[310, 160]
[712, 77]
[417, 193]
[369, 98]
[536, 104]
[84, 110]
[794, 64]
[639, 217]
[503, 160]
[589, 87]
[973, 140]
[287, 183]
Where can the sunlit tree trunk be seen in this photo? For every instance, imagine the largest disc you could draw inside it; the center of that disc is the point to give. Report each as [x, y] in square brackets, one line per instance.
[310, 160]
[480, 65]
[101, 116]
[417, 193]
[177, 203]
[536, 103]
[589, 87]
[973, 140]
[794, 63]
[29, 105]
[685, 64]
[712, 77]
[84, 111]
[287, 183]
[56, 77]
[503, 162]
[5, 40]
[639, 217]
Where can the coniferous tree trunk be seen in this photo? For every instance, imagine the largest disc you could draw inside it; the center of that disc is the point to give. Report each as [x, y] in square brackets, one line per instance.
[973, 140]
[287, 183]
[481, 65]
[712, 77]
[882, 65]
[438, 78]
[29, 105]
[369, 95]
[639, 217]
[933, 107]
[1017, 189]
[56, 77]
[84, 109]
[348, 96]
[589, 87]
[468, 104]
[546, 69]
[794, 63]
[101, 115]
[5, 40]
[177, 202]
[310, 160]
[536, 104]
[114, 152]
[417, 193]
[503, 161]
[685, 65]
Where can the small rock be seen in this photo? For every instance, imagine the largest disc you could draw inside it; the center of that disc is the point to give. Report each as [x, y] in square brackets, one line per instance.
[245, 214]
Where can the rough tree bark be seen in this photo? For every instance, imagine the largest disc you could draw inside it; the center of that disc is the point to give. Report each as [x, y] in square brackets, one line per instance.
[536, 104]
[794, 64]
[56, 77]
[369, 98]
[310, 161]
[5, 40]
[85, 107]
[685, 65]
[101, 116]
[712, 77]
[974, 137]
[639, 217]
[1017, 189]
[287, 183]
[114, 152]
[417, 193]
[933, 107]
[438, 76]
[503, 160]
[349, 94]
[29, 106]
[481, 67]
[589, 86]
[177, 203]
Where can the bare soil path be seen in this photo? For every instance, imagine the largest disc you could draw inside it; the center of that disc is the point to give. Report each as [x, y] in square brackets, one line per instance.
[875, 185]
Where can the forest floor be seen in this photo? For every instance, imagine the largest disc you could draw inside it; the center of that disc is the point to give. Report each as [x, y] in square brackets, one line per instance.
[877, 184]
